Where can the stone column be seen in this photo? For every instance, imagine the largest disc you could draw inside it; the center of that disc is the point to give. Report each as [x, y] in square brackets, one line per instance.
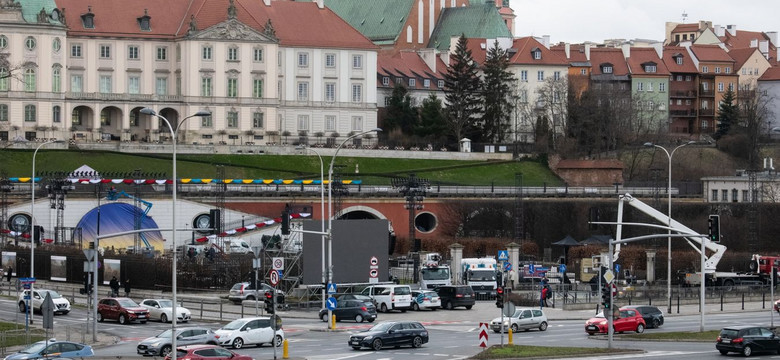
[514, 258]
[650, 266]
[456, 254]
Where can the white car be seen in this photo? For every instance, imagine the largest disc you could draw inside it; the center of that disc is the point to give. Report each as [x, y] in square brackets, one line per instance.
[249, 331]
[161, 309]
[425, 299]
[522, 319]
[61, 304]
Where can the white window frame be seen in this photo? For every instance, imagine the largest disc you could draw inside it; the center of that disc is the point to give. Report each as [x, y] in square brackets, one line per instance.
[133, 80]
[385, 81]
[105, 86]
[357, 61]
[330, 92]
[357, 93]
[231, 119]
[303, 122]
[207, 53]
[426, 83]
[258, 55]
[232, 53]
[357, 123]
[133, 52]
[412, 82]
[206, 86]
[540, 75]
[330, 60]
[258, 119]
[303, 59]
[303, 91]
[231, 87]
[330, 122]
[162, 53]
[257, 88]
[105, 51]
[524, 75]
[76, 51]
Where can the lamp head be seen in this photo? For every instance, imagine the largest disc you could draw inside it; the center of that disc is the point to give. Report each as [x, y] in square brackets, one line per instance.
[300, 147]
[202, 113]
[148, 111]
[377, 129]
[690, 142]
[649, 144]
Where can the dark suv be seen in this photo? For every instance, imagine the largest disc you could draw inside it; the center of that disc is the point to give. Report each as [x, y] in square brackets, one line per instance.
[747, 339]
[453, 296]
[654, 318]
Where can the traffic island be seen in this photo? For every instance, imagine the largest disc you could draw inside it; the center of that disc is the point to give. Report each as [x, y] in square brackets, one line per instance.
[677, 336]
[545, 352]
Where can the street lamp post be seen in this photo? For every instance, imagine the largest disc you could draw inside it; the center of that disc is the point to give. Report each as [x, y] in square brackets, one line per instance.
[174, 134]
[669, 222]
[32, 223]
[330, 211]
[322, 216]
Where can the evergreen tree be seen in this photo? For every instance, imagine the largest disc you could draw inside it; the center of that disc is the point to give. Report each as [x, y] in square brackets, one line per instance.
[461, 88]
[728, 114]
[399, 111]
[432, 125]
[496, 91]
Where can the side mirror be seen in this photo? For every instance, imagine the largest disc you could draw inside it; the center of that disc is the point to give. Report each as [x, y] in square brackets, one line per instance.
[180, 337]
[390, 331]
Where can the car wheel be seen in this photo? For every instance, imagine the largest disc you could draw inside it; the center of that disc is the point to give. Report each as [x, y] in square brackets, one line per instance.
[723, 352]
[22, 307]
[543, 326]
[122, 319]
[415, 307]
[468, 307]
[448, 305]
[325, 317]
[165, 351]
[164, 318]
[417, 342]
[278, 341]
[359, 318]
[640, 328]
[747, 351]
[370, 320]
[384, 308]
[99, 317]
[250, 298]
[514, 328]
[656, 323]
[238, 343]
[376, 344]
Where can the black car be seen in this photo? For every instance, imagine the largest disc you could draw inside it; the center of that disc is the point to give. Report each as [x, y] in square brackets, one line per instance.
[357, 310]
[453, 296]
[747, 339]
[390, 333]
[653, 316]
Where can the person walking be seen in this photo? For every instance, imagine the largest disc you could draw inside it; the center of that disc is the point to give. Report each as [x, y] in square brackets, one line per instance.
[114, 285]
[127, 287]
[9, 273]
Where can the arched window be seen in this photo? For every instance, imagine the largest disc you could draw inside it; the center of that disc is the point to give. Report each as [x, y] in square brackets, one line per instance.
[29, 113]
[56, 79]
[409, 34]
[29, 80]
[4, 79]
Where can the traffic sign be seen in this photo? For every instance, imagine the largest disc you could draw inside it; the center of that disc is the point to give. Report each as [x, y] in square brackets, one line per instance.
[420, 298]
[374, 261]
[90, 254]
[483, 335]
[609, 276]
[503, 255]
[274, 277]
[562, 268]
[507, 266]
[531, 269]
[278, 263]
[331, 303]
[332, 288]
[509, 308]
[47, 309]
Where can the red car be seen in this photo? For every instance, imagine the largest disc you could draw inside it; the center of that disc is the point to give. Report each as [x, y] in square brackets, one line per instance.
[124, 310]
[627, 320]
[210, 352]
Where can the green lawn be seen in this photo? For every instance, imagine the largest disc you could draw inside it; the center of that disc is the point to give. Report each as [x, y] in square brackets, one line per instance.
[377, 171]
[14, 334]
[522, 351]
[707, 336]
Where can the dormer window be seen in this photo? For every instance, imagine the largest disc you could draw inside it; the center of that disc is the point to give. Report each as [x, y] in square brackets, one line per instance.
[606, 68]
[412, 82]
[385, 81]
[145, 21]
[650, 67]
[536, 53]
[678, 59]
[88, 19]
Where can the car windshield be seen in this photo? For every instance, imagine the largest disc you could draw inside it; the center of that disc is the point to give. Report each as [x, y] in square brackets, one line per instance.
[234, 325]
[165, 303]
[435, 273]
[54, 294]
[430, 294]
[164, 334]
[382, 326]
[600, 315]
[237, 286]
[34, 348]
[730, 333]
[127, 303]
[403, 290]
[482, 275]
[517, 313]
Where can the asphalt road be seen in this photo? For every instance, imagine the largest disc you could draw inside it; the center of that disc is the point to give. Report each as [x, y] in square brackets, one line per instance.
[454, 334]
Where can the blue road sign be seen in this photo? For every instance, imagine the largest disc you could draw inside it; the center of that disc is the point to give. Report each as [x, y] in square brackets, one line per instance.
[562, 268]
[531, 269]
[331, 303]
[331, 288]
[617, 268]
[507, 266]
[503, 255]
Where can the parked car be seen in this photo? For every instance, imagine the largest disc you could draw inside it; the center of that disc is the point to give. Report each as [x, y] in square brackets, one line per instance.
[356, 310]
[246, 331]
[777, 306]
[653, 316]
[453, 296]
[53, 348]
[522, 319]
[747, 339]
[425, 299]
[246, 291]
[625, 320]
[61, 304]
[390, 297]
[390, 333]
[160, 345]
[124, 310]
[207, 352]
[364, 298]
[161, 309]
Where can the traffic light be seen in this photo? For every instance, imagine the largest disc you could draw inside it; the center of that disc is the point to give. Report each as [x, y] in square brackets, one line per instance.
[285, 222]
[714, 228]
[269, 305]
[499, 279]
[605, 299]
[215, 221]
[500, 297]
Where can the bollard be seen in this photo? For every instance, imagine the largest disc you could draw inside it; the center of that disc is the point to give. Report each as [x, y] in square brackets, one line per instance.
[201, 309]
[509, 336]
[743, 301]
[242, 309]
[678, 304]
[220, 311]
[721, 301]
[285, 350]
[763, 300]
[333, 322]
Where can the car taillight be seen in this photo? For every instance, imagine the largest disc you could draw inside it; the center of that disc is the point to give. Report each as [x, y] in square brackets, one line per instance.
[738, 340]
[216, 336]
[719, 339]
[458, 295]
[364, 308]
[426, 299]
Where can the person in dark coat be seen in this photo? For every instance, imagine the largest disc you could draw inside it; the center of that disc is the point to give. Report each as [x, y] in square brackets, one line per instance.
[114, 285]
[127, 287]
[8, 274]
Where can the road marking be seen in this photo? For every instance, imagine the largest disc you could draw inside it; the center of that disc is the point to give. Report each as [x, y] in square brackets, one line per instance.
[647, 354]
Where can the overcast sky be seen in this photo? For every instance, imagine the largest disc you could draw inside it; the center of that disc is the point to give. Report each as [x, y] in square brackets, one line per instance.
[575, 21]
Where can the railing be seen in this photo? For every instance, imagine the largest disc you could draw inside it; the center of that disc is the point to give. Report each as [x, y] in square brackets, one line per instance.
[684, 94]
[706, 112]
[682, 112]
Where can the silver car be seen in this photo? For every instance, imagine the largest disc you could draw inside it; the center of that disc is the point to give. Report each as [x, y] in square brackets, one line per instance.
[160, 345]
[522, 319]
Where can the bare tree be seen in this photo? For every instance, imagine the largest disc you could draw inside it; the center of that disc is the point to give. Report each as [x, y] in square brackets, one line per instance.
[551, 102]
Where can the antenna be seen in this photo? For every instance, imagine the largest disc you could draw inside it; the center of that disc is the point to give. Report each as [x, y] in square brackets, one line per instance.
[684, 16]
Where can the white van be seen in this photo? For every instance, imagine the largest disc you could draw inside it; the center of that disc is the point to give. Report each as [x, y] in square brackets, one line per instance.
[237, 246]
[390, 297]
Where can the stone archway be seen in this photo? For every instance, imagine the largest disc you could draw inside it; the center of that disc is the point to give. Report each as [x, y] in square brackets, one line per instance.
[139, 126]
[172, 115]
[82, 121]
[110, 123]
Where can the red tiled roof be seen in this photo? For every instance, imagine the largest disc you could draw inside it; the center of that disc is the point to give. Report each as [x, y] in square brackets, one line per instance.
[771, 74]
[613, 56]
[409, 64]
[641, 56]
[687, 64]
[118, 18]
[740, 56]
[686, 28]
[590, 164]
[576, 52]
[525, 45]
[743, 39]
[711, 53]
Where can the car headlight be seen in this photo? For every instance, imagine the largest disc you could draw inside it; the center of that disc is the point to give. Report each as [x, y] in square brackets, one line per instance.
[603, 322]
[368, 337]
[506, 323]
[131, 312]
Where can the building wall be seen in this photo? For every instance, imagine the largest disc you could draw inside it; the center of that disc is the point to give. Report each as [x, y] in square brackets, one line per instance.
[655, 89]
[421, 21]
[772, 91]
[751, 70]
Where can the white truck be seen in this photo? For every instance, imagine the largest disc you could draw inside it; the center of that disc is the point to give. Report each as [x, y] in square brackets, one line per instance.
[236, 246]
[480, 274]
[433, 272]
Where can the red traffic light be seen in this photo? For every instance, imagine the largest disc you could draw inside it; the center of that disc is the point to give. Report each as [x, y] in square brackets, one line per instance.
[499, 291]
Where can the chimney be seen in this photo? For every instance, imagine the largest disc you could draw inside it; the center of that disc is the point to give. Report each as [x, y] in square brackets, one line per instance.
[753, 43]
[772, 35]
[567, 50]
[659, 49]
[732, 29]
[626, 50]
[267, 2]
[587, 52]
[546, 41]
[320, 4]
[428, 56]
[719, 30]
[763, 47]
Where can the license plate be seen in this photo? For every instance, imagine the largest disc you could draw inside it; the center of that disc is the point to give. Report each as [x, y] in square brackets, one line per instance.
[726, 341]
[355, 342]
[141, 316]
[592, 327]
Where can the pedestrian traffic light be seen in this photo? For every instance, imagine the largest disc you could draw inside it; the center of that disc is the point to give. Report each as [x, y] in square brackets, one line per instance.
[714, 228]
[499, 279]
[500, 297]
[605, 296]
[269, 305]
[285, 222]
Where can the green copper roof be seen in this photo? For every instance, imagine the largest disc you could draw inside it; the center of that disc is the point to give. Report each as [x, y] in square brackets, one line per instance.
[31, 9]
[378, 20]
[476, 21]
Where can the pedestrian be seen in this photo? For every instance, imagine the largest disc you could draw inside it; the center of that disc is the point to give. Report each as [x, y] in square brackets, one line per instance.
[127, 287]
[543, 299]
[191, 253]
[114, 285]
[9, 273]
